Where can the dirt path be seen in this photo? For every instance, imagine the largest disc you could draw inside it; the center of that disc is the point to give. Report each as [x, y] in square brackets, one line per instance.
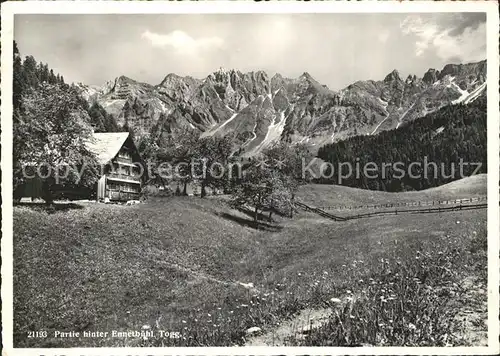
[202, 275]
[307, 319]
[471, 318]
[473, 314]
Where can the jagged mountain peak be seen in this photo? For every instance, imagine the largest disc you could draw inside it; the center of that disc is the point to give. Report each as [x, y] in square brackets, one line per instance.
[392, 76]
[475, 68]
[173, 79]
[411, 79]
[259, 108]
[309, 78]
[431, 76]
[221, 71]
[260, 75]
[122, 79]
[172, 76]
[306, 75]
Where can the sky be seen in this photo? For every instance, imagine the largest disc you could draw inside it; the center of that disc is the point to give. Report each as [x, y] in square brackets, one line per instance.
[336, 49]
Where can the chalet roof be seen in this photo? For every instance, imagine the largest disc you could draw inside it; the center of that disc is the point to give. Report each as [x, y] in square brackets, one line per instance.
[106, 145]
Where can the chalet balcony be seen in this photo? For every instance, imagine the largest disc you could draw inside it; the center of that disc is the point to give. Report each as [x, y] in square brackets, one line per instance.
[122, 196]
[124, 177]
[124, 161]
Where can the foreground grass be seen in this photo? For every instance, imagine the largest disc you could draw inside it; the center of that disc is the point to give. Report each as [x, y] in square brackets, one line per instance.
[410, 302]
[175, 265]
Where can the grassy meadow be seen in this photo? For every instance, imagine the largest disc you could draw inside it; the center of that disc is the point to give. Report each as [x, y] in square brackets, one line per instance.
[324, 195]
[200, 269]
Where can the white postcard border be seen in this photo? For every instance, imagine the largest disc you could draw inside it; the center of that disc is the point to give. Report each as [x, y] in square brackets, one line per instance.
[210, 7]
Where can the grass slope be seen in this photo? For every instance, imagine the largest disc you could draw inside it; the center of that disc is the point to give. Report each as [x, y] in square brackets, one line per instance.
[323, 195]
[174, 264]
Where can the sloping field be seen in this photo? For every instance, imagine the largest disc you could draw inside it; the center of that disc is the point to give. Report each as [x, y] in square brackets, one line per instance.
[176, 264]
[103, 267]
[323, 195]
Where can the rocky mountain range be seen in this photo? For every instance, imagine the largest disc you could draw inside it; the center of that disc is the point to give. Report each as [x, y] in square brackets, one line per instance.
[259, 110]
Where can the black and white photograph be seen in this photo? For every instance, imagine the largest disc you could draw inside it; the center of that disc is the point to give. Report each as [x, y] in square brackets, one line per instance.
[285, 178]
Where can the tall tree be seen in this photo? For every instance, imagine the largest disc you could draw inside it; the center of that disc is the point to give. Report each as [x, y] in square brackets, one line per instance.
[213, 155]
[54, 130]
[18, 79]
[262, 189]
[29, 72]
[289, 162]
[101, 120]
[52, 77]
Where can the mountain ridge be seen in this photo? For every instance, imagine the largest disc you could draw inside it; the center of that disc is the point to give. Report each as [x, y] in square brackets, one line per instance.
[259, 110]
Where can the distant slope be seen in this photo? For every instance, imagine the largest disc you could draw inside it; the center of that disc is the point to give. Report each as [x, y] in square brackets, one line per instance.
[324, 195]
[469, 186]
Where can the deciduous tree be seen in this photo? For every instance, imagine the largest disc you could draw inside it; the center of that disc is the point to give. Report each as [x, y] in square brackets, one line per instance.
[51, 137]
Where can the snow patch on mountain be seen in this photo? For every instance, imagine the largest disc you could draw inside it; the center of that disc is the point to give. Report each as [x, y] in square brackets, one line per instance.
[274, 132]
[400, 119]
[254, 135]
[475, 93]
[384, 103]
[212, 132]
[463, 93]
[113, 102]
[165, 108]
[380, 123]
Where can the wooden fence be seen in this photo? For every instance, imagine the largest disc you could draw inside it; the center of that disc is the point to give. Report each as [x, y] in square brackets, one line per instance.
[319, 211]
[405, 204]
[391, 212]
[419, 211]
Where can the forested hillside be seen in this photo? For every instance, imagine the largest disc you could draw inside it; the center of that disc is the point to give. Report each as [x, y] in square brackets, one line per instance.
[51, 121]
[29, 75]
[453, 134]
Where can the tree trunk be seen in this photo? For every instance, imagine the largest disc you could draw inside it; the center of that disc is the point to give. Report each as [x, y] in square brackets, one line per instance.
[184, 190]
[203, 190]
[270, 216]
[256, 215]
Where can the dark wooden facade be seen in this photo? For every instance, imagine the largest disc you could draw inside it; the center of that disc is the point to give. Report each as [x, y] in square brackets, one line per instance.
[122, 179]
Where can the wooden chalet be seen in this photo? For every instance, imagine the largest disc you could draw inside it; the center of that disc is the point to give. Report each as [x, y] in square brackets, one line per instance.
[117, 153]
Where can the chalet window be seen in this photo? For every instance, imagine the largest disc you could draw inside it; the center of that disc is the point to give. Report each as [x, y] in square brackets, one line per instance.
[124, 170]
[123, 154]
